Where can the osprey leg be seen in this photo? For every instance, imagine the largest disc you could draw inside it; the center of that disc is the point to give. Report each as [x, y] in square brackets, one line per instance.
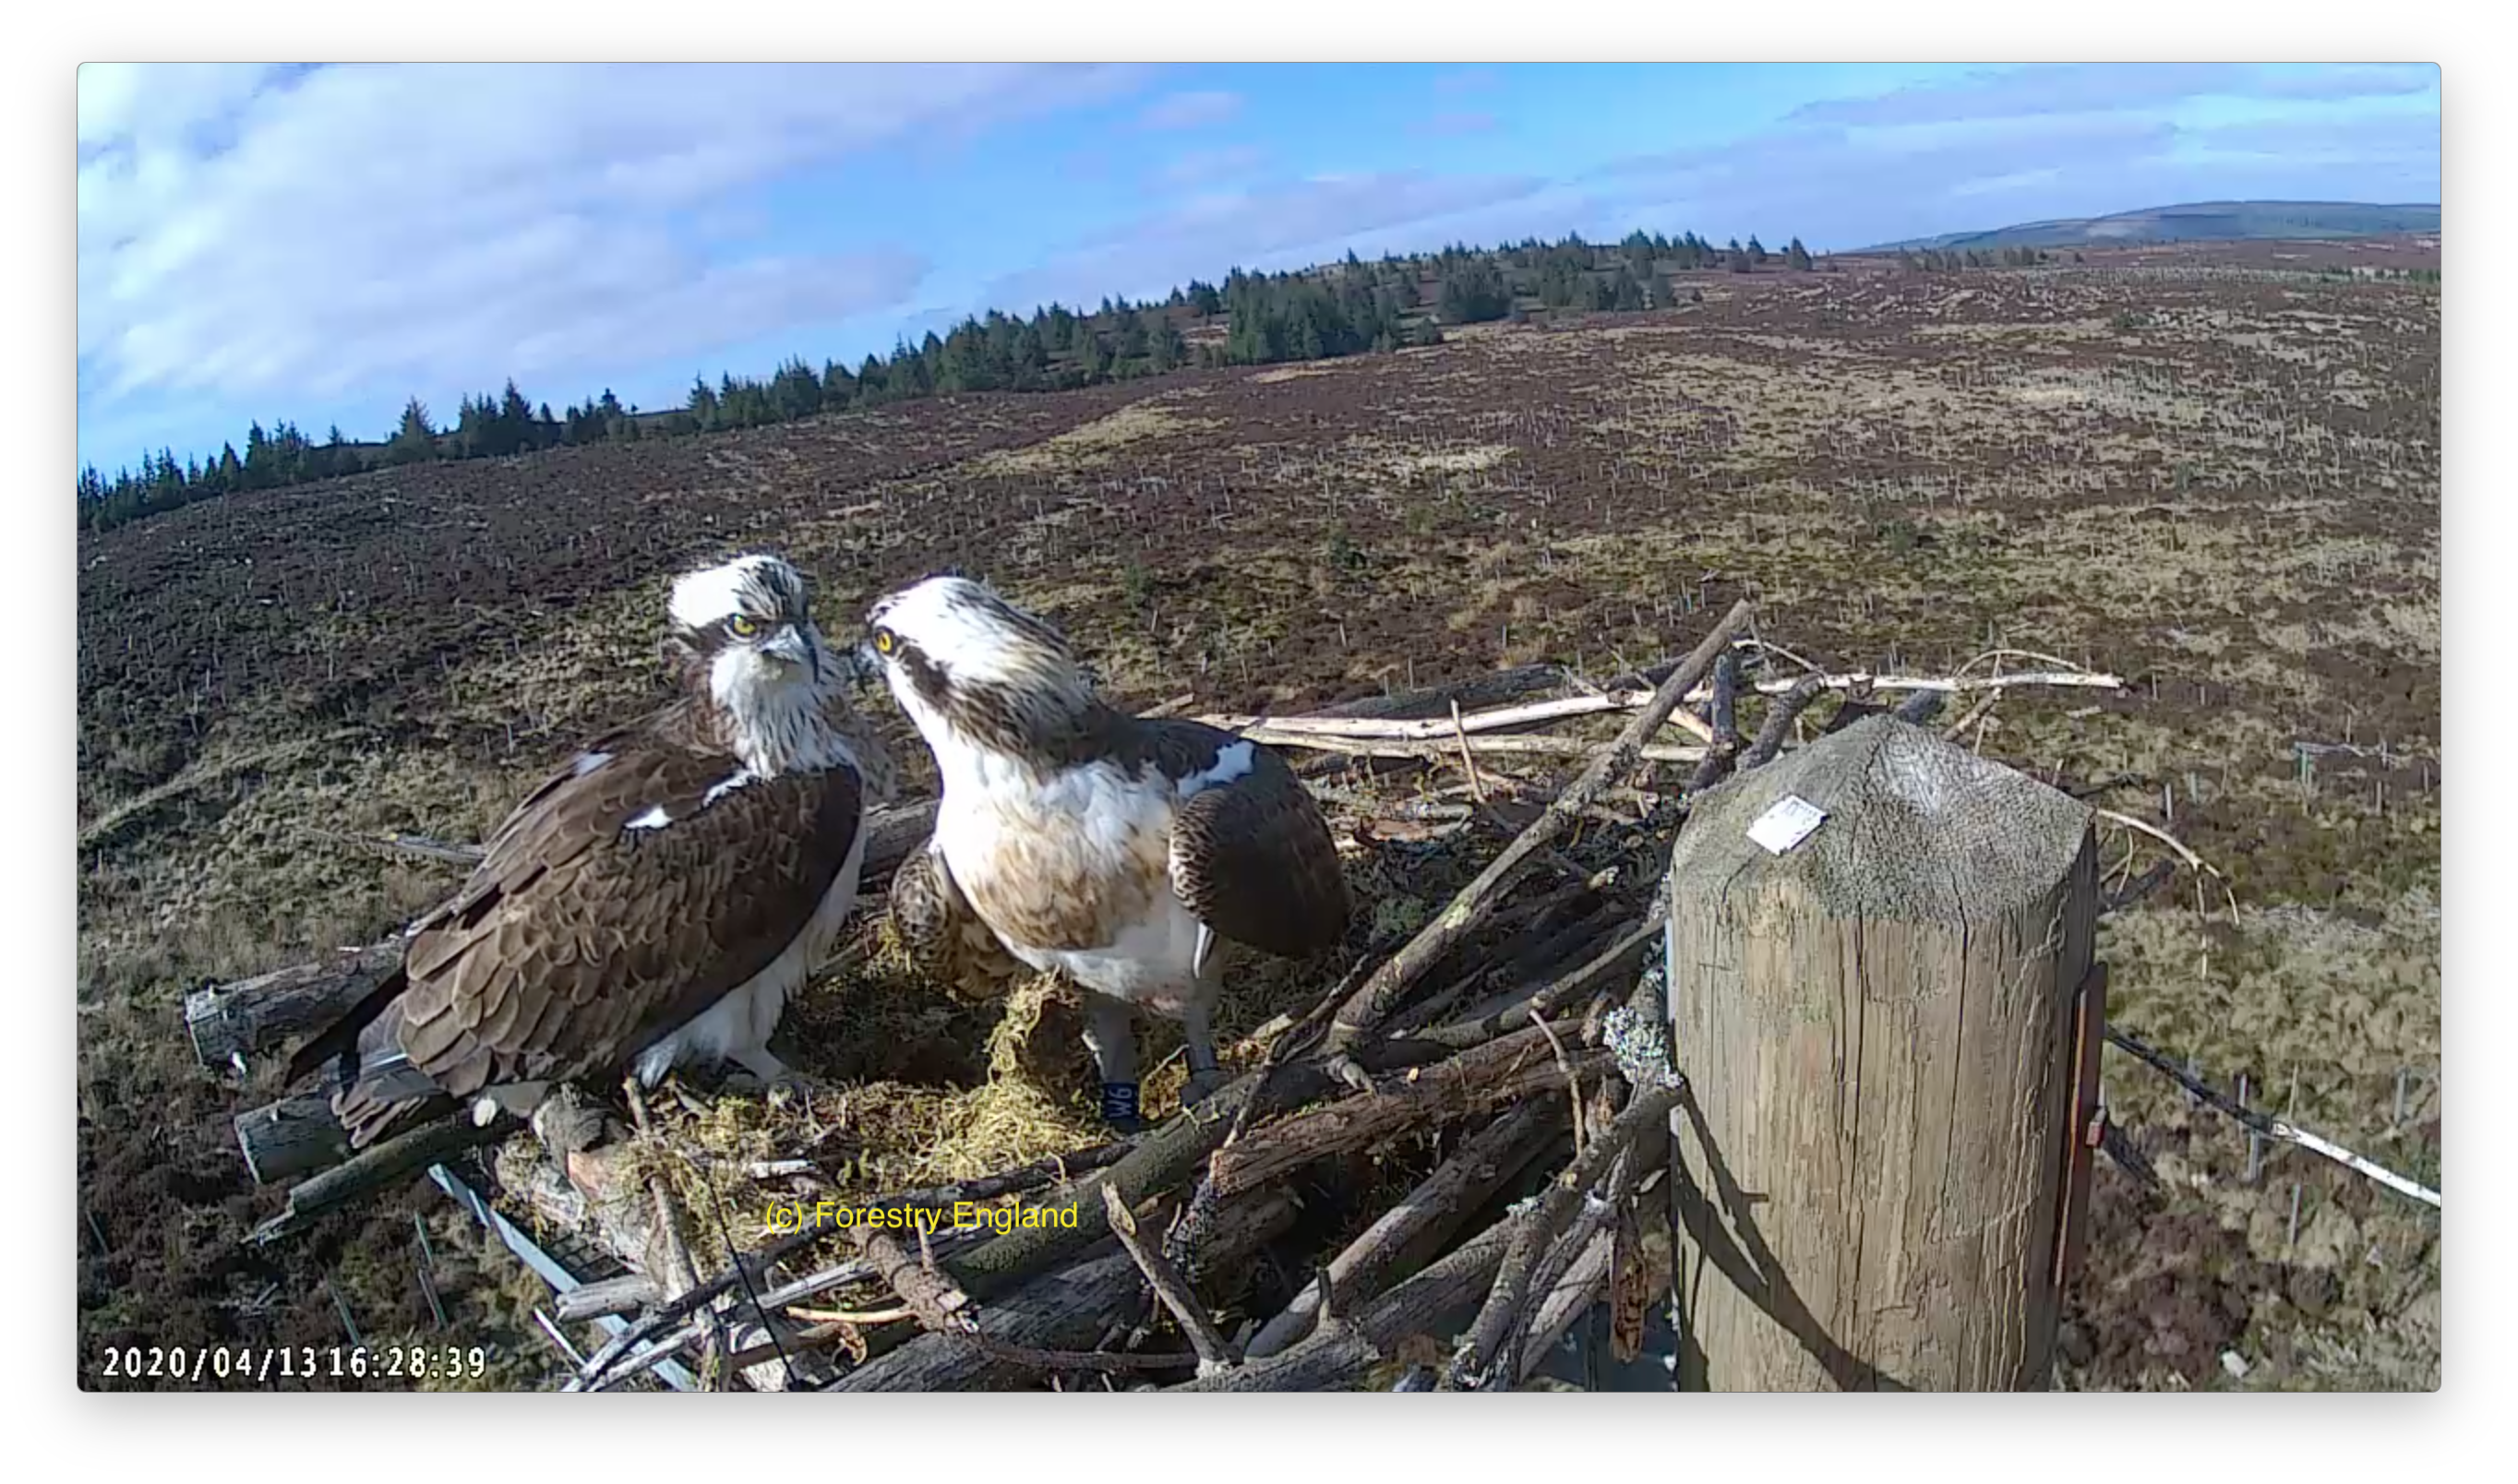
[1110, 1030]
[758, 1060]
[1204, 1077]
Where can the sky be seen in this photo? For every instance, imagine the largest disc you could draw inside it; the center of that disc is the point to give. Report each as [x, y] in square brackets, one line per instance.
[320, 243]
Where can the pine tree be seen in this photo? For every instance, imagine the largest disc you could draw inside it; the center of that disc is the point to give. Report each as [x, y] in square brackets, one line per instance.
[1473, 296]
[1797, 257]
[413, 442]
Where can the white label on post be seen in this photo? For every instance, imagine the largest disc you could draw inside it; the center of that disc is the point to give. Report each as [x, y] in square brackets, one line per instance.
[1787, 823]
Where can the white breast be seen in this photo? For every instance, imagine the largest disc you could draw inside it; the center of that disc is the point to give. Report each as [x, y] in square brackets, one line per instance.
[1085, 823]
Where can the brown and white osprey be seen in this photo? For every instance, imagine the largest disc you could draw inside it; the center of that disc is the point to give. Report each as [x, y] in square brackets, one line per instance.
[1129, 853]
[655, 900]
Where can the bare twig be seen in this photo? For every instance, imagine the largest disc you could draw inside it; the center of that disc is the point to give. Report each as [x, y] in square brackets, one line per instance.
[1338, 1355]
[684, 1274]
[1429, 1211]
[1552, 997]
[1364, 1009]
[2139, 887]
[1499, 1072]
[1535, 712]
[1573, 1082]
[2271, 1128]
[1590, 1225]
[1780, 717]
[2185, 852]
[1213, 1353]
[1723, 710]
[892, 1315]
[1474, 1359]
[1984, 706]
[1440, 750]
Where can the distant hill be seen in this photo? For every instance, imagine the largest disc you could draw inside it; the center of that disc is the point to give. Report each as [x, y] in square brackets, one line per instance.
[2193, 222]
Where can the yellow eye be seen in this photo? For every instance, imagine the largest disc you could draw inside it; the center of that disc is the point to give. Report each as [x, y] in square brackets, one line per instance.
[741, 627]
[883, 641]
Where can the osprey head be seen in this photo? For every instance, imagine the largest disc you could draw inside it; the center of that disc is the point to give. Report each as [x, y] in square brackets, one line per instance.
[745, 636]
[959, 657]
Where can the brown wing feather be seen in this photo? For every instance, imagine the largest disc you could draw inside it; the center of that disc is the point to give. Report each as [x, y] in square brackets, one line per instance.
[1254, 859]
[944, 939]
[480, 890]
[577, 941]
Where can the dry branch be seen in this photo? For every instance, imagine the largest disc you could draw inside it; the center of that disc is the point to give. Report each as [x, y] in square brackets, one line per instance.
[1451, 750]
[624, 1295]
[1213, 1354]
[1371, 1001]
[377, 1167]
[1516, 1065]
[1562, 1301]
[1054, 1313]
[1565, 708]
[2270, 1128]
[1438, 728]
[1780, 717]
[1546, 999]
[1340, 1354]
[1425, 1217]
[1722, 710]
[1536, 1228]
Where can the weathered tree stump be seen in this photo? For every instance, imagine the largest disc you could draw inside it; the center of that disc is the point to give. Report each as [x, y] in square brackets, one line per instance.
[293, 1137]
[233, 1022]
[1876, 1027]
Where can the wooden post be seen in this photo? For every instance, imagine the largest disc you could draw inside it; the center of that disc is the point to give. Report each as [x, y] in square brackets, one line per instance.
[1877, 1028]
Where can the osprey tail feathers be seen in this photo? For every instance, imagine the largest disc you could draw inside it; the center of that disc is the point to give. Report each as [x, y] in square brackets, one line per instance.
[388, 1095]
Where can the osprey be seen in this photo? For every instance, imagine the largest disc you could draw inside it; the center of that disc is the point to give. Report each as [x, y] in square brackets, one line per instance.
[1127, 852]
[655, 900]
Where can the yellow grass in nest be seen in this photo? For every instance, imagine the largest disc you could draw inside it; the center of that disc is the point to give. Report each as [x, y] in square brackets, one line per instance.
[918, 1085]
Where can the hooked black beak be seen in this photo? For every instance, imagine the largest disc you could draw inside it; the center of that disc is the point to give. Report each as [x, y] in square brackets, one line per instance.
[865, 663]
[792, 645]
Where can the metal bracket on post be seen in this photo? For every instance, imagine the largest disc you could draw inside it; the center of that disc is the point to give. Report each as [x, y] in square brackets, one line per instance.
[2085, 1124]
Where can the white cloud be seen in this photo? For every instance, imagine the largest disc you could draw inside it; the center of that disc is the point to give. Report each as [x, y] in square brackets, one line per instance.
[122, 100]
[1190, 110]
[2101, 87]
[246, 231]
[1990, 149]
[2410, 138]
[2043, 88]
[2352, 80]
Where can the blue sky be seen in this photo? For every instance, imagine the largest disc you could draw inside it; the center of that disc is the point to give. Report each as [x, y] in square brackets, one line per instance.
[320, 243]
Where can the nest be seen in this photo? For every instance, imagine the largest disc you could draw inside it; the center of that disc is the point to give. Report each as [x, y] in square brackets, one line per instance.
[1440, 1129]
